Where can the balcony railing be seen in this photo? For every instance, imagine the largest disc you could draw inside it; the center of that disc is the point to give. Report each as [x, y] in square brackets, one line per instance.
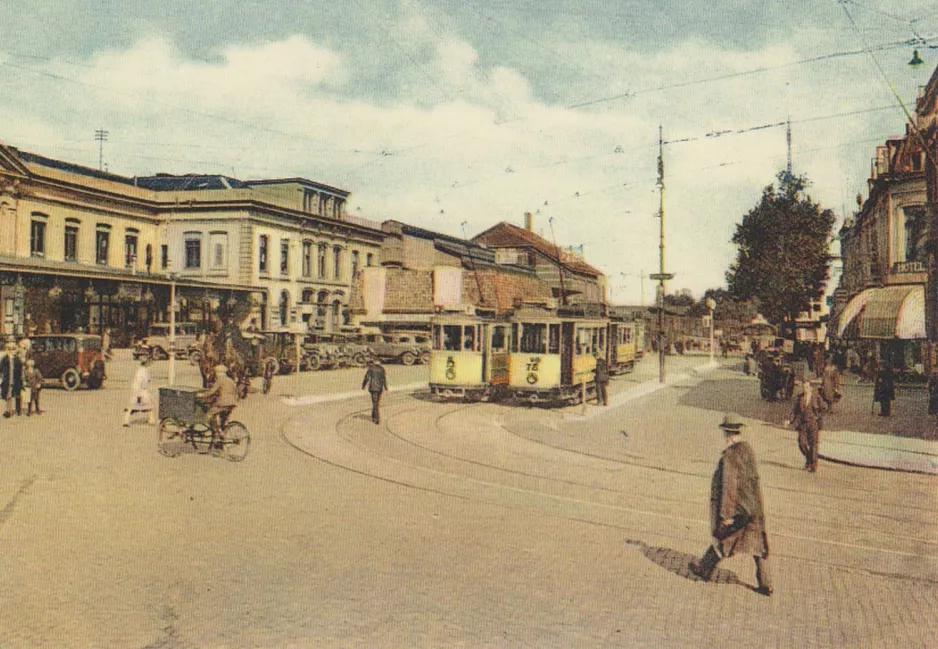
[908, 267]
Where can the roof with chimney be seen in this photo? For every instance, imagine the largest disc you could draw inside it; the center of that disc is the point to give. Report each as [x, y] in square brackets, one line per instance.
[507, 235]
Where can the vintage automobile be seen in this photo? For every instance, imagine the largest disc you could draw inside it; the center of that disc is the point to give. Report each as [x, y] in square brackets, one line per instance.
[70, 359]
[325, 351]
[405, 347]
[156, 344]
[282, 347]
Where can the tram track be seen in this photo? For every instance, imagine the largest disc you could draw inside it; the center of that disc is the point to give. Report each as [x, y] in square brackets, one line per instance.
[392, 430]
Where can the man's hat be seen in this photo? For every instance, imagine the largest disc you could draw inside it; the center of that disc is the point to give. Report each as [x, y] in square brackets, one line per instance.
[221, 368]
[732, 423]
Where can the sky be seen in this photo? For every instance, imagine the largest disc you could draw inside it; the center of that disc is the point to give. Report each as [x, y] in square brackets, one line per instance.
[454, 115]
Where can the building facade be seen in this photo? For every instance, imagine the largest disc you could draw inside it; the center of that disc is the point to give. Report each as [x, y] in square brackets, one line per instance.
[879, 304]
[82, 249]
[572, 280]
[424, 272]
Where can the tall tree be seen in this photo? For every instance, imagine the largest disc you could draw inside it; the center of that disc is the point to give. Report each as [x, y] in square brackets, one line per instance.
[783, 255]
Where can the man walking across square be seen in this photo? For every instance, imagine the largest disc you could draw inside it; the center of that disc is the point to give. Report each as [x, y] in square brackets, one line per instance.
[807, 419]
[377, 383]
[737, 518]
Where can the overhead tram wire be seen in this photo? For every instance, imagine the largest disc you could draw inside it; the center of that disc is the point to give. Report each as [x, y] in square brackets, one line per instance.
[733, 75]
[379, 157]
[910, 120]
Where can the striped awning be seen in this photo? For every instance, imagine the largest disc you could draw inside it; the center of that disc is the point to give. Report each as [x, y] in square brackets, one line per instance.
[885, 313]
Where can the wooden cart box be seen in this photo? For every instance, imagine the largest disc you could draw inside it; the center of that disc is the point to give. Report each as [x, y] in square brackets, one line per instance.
[182, 405]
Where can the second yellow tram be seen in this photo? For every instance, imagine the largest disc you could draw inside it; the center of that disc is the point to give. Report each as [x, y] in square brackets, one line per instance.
[469, 358]
[553, 354]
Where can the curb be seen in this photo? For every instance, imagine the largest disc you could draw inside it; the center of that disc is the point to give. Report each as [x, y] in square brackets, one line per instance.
[341, 396]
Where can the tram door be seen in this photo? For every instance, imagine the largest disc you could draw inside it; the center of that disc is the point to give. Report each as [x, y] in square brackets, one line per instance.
[567, 345]
[498, 344]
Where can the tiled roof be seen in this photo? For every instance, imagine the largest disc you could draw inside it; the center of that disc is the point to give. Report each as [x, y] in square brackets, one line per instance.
[506, 235]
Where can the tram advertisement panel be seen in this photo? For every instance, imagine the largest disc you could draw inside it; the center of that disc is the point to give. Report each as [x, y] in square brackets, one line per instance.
[534, 371]
[456, 368]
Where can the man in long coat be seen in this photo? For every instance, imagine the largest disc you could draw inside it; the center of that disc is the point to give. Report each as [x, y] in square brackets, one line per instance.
[11, 378]
[831, 384]
[884, 390]
[737, 516]
[807, 419]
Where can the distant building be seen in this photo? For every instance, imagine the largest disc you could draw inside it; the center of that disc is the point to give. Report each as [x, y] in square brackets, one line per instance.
[567, 274]
[424, 272]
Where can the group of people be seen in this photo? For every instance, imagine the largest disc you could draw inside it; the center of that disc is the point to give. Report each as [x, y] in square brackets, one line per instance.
[20, 379]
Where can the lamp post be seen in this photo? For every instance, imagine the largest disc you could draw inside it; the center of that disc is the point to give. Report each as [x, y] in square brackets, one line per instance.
[172, 328]
[711, 306]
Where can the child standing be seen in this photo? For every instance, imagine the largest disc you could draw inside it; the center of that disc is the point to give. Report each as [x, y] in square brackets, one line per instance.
[33, 387]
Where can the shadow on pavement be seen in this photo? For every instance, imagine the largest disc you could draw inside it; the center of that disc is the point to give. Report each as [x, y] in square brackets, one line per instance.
[855, 412]
[677, 563]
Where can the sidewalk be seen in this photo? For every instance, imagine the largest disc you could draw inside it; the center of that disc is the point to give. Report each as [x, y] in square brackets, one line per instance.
[854, 434]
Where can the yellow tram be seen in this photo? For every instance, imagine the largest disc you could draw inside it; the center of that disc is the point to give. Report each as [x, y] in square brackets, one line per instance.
[623, 345]
[469, 358]
[553, 354]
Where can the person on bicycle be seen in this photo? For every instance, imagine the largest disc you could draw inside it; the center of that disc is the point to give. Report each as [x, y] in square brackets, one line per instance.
[223, 397]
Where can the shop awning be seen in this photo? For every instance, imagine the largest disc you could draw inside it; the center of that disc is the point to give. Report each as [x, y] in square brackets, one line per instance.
[885, 313]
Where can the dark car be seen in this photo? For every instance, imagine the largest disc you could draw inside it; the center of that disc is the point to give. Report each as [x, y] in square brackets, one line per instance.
[407, 348]
[71, 359]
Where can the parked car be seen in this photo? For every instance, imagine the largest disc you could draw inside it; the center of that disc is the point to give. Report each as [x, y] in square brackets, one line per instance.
[71, 359]
[324, 351]
[156, 344]
[407, 348]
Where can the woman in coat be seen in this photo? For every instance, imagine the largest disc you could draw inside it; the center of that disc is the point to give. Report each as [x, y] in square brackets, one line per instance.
[884, 391]
[140, 398]
[737, 517]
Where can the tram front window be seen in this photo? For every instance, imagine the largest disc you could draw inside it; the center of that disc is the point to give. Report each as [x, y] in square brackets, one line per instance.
[499, 339]
[452, 335]
[469, 338]
[554, 341]
[533, 338]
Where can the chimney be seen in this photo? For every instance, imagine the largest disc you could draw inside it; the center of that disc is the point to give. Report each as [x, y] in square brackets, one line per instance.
[529, 222]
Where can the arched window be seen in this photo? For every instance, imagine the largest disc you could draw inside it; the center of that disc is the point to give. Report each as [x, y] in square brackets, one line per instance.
[284, 307]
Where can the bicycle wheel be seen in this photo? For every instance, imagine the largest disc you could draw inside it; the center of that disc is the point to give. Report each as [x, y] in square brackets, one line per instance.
[237, 440]
[170, 437]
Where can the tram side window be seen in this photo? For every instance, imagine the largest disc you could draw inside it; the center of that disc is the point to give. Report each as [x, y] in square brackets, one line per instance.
[515, 339]
[499, 339]
[469, 338]
[533, 338]
[554, 339]
[451, 338]
[437, 337]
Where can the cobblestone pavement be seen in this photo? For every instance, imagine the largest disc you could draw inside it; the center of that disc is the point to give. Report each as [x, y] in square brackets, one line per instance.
[453, 525]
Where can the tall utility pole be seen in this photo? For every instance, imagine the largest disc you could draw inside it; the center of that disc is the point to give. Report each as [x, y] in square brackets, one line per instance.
[788, 141]
[101, 136]
[661, 276]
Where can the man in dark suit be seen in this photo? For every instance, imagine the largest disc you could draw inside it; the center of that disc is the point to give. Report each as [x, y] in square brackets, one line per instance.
[601, 378]
[11, 377]
[377, 383]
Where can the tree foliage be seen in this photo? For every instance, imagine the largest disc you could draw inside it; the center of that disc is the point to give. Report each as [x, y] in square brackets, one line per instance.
[783, 256]
[728, 307]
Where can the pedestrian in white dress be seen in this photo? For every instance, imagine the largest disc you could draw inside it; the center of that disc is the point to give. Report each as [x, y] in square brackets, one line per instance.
[140, 398]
